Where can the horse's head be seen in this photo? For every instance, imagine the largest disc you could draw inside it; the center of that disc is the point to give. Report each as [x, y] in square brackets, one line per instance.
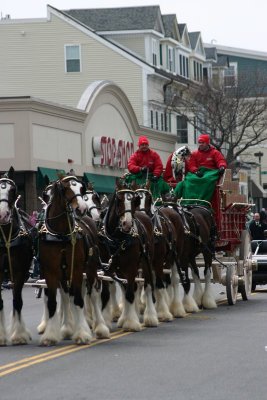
[126, 202]
[146, 199]
[47, 193]
[178, 160]
[93, 202]
[71, 190]
[8, 196]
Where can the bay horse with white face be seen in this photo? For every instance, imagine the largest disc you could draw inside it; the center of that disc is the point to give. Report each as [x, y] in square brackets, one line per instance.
[202, 241]
[16, 255]
[63, 254]
[131, 243]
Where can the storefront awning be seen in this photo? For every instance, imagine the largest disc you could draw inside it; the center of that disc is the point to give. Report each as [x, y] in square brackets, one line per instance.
[101, 183]
[50, 173]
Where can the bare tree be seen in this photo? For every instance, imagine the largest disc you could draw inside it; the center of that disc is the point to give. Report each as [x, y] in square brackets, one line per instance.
[235, 116]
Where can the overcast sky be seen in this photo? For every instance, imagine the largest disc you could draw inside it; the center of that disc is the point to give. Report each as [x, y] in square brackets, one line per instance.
[235, 23]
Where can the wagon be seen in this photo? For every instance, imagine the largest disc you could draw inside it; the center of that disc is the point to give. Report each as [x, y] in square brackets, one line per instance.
[233, 264]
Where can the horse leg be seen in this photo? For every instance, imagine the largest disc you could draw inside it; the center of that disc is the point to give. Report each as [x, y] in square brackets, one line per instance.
[51, 335]
[176, 305]
[208, 300]
[101, 329]
[161, 303]
[41, 327]
[150, 313]
[3, 335]
[18, 332]
[198, 290]
[65, 315]
[129, 320]
[115, 300]
[82, 332]
[189, 303]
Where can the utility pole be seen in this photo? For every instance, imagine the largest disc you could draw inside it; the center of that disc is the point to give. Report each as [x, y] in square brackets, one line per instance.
[259, 155]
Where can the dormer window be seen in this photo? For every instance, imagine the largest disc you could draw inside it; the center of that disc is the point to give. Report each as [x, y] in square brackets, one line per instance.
[170, 53]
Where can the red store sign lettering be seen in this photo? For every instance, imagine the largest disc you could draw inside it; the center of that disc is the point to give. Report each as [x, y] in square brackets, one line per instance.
[108, 152]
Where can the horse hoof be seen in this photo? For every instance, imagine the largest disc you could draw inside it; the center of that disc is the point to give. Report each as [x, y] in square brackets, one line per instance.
[82, 341]
[48, 343]
[3, 342]
[102, 332]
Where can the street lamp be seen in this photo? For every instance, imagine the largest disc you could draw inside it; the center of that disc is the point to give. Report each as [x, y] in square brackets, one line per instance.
[259, 155]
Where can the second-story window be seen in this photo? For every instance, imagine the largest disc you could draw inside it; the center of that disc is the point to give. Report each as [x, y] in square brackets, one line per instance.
[181, 129]
[72, 58]
[154, 52]
[170, 59]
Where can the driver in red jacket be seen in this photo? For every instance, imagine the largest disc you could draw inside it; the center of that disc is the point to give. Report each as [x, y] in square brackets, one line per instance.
[145, 160]
[206, 156]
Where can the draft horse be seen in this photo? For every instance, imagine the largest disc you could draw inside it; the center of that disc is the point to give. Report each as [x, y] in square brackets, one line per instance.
[131, 242]
[16, 253]
[200, 240]
[63, 254]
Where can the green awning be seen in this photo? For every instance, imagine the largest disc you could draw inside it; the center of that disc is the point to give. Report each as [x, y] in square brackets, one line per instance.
[102, 183]
[50, 173]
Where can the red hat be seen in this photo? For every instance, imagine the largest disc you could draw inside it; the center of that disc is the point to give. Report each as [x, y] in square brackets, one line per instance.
[143, 140]
[204, 138]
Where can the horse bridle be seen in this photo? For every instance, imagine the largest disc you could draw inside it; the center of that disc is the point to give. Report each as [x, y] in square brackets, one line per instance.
[94, 206]
[71, 178]
[125, 191]
[144, 190]
[3, 182]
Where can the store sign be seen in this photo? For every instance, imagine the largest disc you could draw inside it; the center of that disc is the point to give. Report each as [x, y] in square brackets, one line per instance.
[111, 153]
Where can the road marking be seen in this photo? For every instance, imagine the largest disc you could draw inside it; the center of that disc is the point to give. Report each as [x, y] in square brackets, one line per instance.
[50, 355]
[65, 350]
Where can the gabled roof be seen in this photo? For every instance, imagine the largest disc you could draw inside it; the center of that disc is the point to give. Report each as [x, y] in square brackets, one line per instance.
[222, 61]
[211, 53]
[119, 18]
[193, 37]
[181, 29]
[171, 26]
[184, 35]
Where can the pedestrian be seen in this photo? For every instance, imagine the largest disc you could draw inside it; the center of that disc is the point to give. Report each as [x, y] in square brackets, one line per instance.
[257, 227]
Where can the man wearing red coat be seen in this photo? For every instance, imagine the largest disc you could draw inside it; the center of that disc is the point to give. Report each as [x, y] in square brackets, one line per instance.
[145, 160]
[206, 156]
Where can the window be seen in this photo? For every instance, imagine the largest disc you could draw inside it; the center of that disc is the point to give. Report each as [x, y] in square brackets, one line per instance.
[181, 128]
[151, 119]
[157, 120]
[170, 59]
[230, 75]
[160, 54]
[162, 121]
[154, 52]
[183, 66]
[72, 58]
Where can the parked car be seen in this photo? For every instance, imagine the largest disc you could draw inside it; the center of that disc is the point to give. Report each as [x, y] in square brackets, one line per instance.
[259, 254]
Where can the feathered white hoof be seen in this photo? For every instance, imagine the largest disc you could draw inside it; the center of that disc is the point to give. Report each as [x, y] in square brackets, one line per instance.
[190, 305]
[41, 327]
[66, 332]
[131, 326]
[177, 309]
[20, 339]
[82, 338]
[102, 332]
[208, 301]
[151, 321]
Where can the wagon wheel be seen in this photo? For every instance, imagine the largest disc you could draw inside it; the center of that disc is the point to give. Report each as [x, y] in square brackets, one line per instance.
[244, 254]
[231, 284]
